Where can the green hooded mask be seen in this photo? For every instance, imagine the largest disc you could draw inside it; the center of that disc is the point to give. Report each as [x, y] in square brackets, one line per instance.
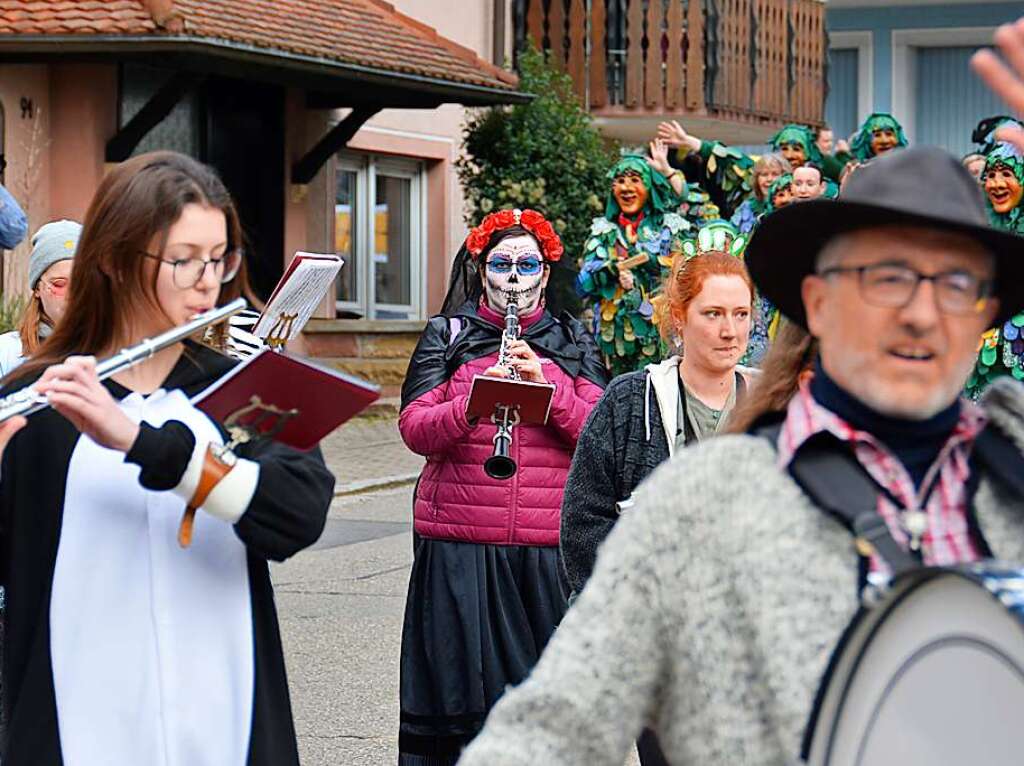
[786, 179]
[1008, 156]
[798, 134]
[661, 197]
[861, 145]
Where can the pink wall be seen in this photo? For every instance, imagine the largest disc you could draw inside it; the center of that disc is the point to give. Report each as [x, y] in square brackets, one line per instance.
[83, 102]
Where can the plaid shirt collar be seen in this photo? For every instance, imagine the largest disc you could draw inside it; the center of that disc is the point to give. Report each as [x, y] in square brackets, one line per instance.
[942, 494]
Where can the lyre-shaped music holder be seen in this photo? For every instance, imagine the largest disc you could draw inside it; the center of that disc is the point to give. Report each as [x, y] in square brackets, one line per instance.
[280, 331]
[243, 427]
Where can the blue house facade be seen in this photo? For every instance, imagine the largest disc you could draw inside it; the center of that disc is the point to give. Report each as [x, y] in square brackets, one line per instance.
[910, 58]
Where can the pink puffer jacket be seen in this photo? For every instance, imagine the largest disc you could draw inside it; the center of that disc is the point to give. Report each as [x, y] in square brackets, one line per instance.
[455, 499]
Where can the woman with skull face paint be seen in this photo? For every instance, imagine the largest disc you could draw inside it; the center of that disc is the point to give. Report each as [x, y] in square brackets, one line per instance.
[485, 591]
[1002, 348]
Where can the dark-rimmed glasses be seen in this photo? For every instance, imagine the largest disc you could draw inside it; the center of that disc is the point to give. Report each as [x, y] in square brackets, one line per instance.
[890, 285]
[189, 271]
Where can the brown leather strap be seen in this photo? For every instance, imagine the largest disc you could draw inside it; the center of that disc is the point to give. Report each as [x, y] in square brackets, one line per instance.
[214, 469]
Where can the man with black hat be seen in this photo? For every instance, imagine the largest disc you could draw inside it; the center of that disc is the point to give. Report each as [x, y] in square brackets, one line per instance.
[719, 597]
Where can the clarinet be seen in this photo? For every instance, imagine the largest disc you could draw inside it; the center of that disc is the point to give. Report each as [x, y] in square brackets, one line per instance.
[500, 465]
[27, 401]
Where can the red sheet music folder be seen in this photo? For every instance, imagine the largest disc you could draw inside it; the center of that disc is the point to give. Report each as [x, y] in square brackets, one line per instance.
[324, 398]
[532, 399]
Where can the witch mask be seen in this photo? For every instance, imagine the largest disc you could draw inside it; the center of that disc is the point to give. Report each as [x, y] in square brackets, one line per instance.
[516, 267]
[630, 193]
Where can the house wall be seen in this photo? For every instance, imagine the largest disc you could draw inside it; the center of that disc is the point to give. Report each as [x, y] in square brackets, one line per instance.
[28, 151]
[435, 135]
[887, 39]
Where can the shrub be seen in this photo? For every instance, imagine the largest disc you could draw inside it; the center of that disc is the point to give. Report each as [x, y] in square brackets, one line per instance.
[10, 312]
[546, 155]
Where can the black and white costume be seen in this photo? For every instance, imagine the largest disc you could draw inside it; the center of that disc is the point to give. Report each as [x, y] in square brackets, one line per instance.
[122, 647]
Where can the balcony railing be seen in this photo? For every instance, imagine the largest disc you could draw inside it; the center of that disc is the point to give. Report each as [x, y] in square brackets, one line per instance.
[749, 61]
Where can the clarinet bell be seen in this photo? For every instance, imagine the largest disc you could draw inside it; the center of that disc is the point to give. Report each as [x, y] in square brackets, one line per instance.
[500, 465]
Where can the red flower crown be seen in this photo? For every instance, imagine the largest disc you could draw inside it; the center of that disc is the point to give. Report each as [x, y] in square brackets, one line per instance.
[531, 220]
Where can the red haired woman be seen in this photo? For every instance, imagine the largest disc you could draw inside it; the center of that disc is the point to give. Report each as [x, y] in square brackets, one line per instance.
[645, 416]
[485, 594]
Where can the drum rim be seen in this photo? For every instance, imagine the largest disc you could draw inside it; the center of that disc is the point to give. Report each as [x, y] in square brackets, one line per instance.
[900, 589]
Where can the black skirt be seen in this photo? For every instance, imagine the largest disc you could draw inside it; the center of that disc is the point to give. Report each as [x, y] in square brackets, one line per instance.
[476, 620]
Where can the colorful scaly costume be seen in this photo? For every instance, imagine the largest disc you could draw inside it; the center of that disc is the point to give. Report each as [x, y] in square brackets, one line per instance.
[733, 171]
[1002, 348]
[766, 316]
[625, 324]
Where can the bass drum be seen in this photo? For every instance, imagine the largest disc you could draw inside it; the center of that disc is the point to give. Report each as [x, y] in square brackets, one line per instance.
[932, 674]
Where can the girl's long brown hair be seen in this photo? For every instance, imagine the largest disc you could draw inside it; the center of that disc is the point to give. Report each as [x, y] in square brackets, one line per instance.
[28, 328]
[792, 354]
[135, 204]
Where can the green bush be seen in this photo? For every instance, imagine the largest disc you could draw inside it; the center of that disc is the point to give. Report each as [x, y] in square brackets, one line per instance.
[10, 312]
[546, 155]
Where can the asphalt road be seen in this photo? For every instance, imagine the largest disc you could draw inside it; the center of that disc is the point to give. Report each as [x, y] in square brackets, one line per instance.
[340, 607]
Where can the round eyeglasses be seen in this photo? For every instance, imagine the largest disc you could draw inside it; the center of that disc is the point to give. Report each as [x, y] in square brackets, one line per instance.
[888, 285]
[188, 272]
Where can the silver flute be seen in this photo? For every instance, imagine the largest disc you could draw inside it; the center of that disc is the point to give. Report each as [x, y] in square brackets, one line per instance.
[27, 401]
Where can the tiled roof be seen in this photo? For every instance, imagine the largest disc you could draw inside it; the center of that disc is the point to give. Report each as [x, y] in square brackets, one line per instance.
[368, 33]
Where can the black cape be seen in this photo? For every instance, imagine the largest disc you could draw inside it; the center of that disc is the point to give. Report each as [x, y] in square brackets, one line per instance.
[287, 514]
[565, 341]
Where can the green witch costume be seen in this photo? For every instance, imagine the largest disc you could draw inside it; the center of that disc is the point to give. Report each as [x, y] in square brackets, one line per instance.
[1002, 348]
[861, 147]
[732, 171]
[765, 322]
[625, 324]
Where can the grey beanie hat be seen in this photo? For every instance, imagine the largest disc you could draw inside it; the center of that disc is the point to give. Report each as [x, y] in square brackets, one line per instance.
[55, 241]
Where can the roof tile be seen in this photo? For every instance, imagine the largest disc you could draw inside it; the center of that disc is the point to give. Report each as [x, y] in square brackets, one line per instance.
[368, 33]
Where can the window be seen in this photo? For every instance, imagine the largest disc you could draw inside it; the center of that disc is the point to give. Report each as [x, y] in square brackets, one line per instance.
[378, 224]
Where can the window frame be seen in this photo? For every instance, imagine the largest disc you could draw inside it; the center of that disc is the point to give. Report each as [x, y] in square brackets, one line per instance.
[367, 167]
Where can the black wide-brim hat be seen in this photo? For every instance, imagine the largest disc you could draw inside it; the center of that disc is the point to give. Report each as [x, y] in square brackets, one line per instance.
[924, 187]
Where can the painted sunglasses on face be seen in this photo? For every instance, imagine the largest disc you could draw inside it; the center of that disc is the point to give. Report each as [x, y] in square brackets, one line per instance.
[525, 267]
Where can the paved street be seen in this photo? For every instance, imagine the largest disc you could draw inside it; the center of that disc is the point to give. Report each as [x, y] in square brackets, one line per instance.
[340, 605]
[341, 618]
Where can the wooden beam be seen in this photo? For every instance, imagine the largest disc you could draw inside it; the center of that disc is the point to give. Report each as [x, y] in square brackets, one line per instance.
[306, 168]
[120, 147]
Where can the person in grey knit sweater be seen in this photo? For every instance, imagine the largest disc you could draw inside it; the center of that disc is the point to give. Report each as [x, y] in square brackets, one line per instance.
[719, 597]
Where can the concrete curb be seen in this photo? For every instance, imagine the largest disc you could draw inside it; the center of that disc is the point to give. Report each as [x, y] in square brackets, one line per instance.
[372, 485]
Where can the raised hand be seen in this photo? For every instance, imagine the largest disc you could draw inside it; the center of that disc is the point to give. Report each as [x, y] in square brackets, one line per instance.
[659, 157]
[674, 136]
[75, 391]
[1007, 82]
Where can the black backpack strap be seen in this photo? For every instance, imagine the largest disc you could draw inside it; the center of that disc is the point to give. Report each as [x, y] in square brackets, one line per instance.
[828, 471]
[831, 476]
[1000, 457]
